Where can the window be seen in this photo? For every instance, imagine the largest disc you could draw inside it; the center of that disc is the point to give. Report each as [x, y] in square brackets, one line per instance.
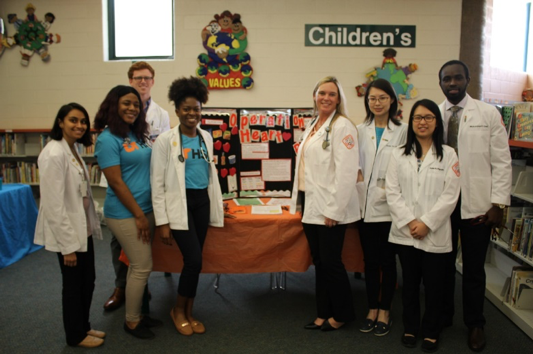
[138, 30]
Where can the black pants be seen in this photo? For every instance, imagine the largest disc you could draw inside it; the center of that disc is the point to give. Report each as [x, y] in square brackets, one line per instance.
[380, 259]
[191, 242]
[420, 266]
[78, 287]
[475, 241]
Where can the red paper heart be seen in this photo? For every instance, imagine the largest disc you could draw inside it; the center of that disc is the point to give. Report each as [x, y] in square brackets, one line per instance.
[234, 130]
[226, 147]
[223, 127]
[286, 136]
[232, 171]
[217, 145]
[224, 172]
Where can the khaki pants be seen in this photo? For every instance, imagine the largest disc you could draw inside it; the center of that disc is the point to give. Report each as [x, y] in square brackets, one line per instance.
[140, 256]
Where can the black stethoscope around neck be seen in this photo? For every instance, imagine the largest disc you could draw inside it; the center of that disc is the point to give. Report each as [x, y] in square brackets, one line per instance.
[200, 141]
[325, 143]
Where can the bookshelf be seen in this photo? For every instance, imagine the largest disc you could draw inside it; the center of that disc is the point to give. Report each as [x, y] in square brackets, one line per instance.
[501, 258]
[20, 149]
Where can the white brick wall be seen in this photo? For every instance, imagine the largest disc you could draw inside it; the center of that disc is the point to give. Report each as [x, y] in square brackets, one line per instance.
[285, 71]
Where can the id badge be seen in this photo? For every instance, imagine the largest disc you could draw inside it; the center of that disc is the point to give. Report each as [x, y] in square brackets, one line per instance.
[83, 188]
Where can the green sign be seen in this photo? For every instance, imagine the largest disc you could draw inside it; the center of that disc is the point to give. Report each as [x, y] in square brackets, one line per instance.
[360, 36]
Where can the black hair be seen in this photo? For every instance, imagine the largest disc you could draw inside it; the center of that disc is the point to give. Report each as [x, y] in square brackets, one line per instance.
[386, 86]
[107, 115]
[51, 15]
[182, 88]
[438, 134]
[57, 133]
[455, 62]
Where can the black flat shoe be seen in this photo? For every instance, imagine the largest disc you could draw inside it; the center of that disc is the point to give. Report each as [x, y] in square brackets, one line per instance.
[429, 347]
[408, 341]
[141, 331]
[312, 325]
[382, 328]
[327, 327]
[368, 325]
[150, 322]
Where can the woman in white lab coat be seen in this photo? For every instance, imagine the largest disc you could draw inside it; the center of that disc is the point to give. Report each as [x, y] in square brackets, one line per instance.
[422, 186]
[325, 186]
[186, 193]
[67, 220]
[379, 135]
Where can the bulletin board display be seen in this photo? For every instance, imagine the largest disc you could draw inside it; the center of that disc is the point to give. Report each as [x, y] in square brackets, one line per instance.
[254, 149]
[222, 125]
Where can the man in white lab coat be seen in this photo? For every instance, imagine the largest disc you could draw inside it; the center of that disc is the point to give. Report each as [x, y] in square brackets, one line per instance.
[475, 130]
[142, 78]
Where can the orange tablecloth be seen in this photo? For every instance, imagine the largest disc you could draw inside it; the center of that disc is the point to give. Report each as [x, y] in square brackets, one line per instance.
[256, 244]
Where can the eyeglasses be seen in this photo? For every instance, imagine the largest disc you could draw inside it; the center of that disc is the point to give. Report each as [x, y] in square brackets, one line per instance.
[381, 99]
[427, 118]
[141, 78]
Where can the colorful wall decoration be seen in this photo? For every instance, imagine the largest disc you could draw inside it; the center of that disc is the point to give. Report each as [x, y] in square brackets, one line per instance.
[31, 35]
[226, 64]
[398, 76]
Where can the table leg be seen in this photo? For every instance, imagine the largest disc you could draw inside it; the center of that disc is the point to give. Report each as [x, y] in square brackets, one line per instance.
[217, 282]
[274, 281]
[283, 280]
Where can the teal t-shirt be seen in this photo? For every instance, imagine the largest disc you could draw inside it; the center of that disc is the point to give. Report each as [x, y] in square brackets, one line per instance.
[196, 167]
[379, 134]
[133, 157]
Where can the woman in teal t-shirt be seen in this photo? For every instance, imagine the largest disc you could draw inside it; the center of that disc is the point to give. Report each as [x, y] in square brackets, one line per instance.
[124, 154]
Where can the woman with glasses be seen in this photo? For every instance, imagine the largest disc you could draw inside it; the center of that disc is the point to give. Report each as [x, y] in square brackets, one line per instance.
[422, 187]
[324, 186]
[186, 193]
[123, 152]
[379, 135]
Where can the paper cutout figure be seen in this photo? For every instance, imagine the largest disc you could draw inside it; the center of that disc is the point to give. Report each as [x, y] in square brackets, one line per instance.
[32, 36]
[226, 65]
[396, 75]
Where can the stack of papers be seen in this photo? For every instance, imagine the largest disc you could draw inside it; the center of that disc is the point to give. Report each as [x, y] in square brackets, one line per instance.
[267, 209]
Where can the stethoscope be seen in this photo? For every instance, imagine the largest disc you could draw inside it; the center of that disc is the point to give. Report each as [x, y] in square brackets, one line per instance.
[325, 143]
[202, 144]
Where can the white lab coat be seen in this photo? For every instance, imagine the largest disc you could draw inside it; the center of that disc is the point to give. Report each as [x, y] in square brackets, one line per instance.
[374, 165]
[157, 119]
[167, 176]
[61, 223]
[428, 195]
[484, 158]
[330, 174]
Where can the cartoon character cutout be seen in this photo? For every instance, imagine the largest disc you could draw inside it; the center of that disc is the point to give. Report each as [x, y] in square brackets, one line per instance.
[31, 35]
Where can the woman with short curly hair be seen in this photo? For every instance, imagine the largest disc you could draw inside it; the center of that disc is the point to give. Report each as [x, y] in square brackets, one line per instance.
[186, 194]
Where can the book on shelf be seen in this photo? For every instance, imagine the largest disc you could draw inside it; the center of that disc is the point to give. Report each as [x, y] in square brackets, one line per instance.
[524, 238]
[517, 233]
[524, 126]
[507, 117]
[510, 297]
[523, 291]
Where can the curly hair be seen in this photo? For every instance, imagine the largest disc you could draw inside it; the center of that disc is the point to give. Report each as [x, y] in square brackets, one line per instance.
[183, 88]
[57, 133]
[107, 115]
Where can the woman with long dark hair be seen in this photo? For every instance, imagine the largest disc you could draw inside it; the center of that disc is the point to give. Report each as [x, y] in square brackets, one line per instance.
[379, 135]
[422, 187]
[123, 152]
[67, 220]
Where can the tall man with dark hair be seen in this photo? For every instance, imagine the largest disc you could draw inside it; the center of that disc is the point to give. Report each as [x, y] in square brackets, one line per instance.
[476, 131]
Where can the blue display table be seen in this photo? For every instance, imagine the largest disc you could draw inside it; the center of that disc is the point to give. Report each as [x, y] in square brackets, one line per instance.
[18, 215]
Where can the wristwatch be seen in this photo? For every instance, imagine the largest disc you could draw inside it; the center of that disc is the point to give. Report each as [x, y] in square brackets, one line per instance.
[501, 206]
